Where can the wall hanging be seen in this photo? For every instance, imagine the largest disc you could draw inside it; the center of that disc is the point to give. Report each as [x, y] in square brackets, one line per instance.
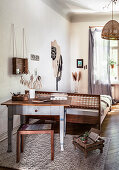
[20, 65]
[79, 63]
[35, 57]
[57, 61]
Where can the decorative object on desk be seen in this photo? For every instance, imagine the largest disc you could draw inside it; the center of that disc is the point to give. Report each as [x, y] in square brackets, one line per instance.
[76, 79]
[111, 28]
[79, 63]
[32, 84]
[20, 97]
[32, 93]
[41, 100]
[57, 61]
[58, 96]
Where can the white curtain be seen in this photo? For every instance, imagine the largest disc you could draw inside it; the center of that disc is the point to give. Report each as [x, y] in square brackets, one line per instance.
[99, 54]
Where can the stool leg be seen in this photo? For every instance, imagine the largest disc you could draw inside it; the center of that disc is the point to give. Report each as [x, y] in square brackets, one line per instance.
[52, 145]
[27, 119]
[18, 148]
[22, 143]
[74, 146]
[101, 150]
[85, 154]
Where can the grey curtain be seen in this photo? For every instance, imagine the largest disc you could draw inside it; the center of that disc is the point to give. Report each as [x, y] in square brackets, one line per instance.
[98, 64]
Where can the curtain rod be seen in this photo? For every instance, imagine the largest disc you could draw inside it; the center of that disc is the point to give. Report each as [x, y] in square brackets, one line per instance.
[94, 26]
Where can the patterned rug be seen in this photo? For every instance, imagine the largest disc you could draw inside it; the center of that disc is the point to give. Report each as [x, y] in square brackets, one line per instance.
[37, 155]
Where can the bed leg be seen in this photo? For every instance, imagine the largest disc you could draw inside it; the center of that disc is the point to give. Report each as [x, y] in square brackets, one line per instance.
[110, 109]
[99, 126]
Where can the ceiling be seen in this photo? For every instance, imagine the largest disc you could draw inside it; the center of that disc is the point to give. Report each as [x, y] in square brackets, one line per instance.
[86, 6]
[69, 8]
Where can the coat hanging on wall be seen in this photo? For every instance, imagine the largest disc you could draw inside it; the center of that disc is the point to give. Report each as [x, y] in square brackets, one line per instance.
[56, 61]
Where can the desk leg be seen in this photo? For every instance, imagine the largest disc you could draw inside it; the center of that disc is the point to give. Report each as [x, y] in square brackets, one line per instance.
[10, 128]
[65, 113]
[22, 119]
[62, 127]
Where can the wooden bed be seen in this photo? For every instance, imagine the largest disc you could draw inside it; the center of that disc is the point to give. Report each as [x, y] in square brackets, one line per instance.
[87, 109]
[84, 108]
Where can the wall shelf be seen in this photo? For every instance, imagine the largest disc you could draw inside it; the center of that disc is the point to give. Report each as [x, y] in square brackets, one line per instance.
[20, 65]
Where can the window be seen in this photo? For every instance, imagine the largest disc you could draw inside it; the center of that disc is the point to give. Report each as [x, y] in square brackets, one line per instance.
[114, 61]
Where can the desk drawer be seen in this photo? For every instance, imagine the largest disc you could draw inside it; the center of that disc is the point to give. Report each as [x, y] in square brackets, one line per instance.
[55, 110]
[32, 110]
[38, 110]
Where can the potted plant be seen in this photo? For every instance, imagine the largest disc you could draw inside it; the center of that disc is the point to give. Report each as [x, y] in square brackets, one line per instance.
[112, 63]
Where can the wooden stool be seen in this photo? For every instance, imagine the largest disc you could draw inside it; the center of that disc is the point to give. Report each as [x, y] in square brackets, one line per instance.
[99, 144]
[32, 129]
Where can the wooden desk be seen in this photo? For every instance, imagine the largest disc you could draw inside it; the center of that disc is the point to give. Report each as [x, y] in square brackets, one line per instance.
[34, 108]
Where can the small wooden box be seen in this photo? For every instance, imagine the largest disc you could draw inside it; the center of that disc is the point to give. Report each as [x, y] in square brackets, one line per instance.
[21, 97]
[20, 65]
[90, 145]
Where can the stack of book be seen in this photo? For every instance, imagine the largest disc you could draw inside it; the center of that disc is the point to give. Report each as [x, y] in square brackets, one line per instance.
[58, 96]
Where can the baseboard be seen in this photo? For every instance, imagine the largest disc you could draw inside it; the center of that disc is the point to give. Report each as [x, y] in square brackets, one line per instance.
[4, 135]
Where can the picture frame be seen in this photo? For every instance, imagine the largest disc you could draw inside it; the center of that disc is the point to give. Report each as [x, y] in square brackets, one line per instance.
[79, 63]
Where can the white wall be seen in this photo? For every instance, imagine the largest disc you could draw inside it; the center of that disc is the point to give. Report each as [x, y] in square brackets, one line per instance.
[79, 50]
[42, 25]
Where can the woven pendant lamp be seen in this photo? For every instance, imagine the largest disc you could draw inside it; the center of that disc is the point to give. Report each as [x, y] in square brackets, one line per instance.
[111, 29]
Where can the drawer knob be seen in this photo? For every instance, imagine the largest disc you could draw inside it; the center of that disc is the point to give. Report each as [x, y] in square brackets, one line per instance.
[36, 110]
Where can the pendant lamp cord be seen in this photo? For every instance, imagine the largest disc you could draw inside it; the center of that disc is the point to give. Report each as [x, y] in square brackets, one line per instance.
[113, 1]
[112, 9]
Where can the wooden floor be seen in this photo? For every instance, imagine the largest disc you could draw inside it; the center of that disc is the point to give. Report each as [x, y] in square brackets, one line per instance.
[110, 128]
